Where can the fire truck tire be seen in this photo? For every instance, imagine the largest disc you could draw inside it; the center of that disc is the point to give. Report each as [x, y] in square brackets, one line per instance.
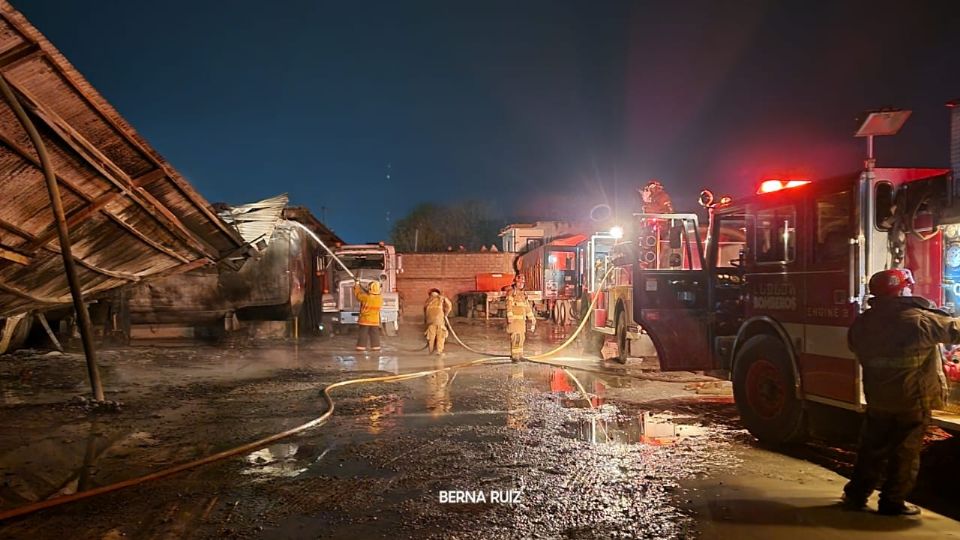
[623, 344]
[763, 389]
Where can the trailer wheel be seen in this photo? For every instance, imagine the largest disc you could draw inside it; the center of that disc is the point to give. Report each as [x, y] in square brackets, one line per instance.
[763, 388]
[623, 344]
[564, 319]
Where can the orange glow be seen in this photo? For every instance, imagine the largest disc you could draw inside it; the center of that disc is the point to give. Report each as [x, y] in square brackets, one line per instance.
[769, 186]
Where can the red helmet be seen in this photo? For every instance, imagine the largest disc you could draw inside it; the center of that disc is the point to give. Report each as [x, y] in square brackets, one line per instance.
[891, 282]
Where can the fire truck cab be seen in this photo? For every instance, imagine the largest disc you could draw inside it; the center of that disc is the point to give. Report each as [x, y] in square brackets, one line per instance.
[770, 294]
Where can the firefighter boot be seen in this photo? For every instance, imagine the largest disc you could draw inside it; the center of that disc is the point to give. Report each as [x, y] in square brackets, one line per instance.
[902, 509]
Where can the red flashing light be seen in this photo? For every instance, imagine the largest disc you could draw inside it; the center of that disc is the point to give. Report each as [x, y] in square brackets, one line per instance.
[769, 186]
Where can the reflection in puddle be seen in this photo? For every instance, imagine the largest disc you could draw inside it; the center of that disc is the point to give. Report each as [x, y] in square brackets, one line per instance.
[438, 400]
[570, 389]
[382, 412]
[647, 428]
[389, 364]
[285, 460]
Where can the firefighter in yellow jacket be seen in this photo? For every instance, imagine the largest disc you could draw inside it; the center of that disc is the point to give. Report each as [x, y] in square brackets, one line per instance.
[435, 313]
[518, 313]
[368, 325]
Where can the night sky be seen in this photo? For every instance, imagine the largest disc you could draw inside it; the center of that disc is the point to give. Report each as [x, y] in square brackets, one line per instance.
[543, 108]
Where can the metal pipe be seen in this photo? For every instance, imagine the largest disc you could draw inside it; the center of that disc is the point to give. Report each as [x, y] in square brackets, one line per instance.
[64, 236]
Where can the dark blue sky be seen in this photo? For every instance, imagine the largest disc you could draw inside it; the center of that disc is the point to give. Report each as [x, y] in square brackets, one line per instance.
[544, 108]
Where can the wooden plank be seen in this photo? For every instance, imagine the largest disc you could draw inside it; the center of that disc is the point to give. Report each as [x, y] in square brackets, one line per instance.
[73, 219]
[122, 130]
[24, 294]
[10, 227]
[14, 256]
[149, 178]
[79, 193]
[109, 170]
[20, 53]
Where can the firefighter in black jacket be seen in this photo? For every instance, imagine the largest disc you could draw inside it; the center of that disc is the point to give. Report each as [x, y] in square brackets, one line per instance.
[897, 342]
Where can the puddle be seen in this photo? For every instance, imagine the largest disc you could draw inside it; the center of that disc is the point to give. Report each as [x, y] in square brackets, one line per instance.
[279, 461]
[657, 429]
[389, 364]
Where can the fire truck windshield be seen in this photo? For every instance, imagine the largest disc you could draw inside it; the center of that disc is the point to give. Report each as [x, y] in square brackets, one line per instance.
[363, 262]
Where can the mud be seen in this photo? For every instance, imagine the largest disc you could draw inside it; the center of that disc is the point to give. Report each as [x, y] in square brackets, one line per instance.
[636, 457]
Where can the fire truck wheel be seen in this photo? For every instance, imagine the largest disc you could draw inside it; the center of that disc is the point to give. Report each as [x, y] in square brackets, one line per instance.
[763, 388]
[623, 344]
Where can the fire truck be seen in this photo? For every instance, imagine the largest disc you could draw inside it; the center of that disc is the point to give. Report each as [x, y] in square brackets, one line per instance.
[769, 294]
[552, 274]
[368, 262]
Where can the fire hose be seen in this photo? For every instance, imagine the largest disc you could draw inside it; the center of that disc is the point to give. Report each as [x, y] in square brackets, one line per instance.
[540, 358]
[318, 421]
[246, 448]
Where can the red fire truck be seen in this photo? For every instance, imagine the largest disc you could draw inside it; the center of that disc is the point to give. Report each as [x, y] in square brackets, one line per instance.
[769, 295]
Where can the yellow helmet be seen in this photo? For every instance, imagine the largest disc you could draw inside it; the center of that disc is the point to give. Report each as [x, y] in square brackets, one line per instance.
[374, 287]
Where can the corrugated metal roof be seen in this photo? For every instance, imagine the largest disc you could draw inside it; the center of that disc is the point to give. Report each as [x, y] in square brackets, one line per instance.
[257, 221]
[131, 215]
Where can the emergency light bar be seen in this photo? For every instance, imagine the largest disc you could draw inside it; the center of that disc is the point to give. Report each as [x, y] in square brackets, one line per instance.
[769, 186]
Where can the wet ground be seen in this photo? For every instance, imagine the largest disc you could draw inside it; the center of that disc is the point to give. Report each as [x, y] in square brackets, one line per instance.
[512, 450]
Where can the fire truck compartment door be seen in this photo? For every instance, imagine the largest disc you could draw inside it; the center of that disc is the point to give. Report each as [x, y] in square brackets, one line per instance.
[672, 308]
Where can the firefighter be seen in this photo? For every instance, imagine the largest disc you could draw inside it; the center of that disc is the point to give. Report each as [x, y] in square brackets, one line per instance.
[368, 325]
[897, 341]
[654, 199]
[518, 312]
[435, 313]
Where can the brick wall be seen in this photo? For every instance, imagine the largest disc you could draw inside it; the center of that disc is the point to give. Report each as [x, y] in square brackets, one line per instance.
[452, 273]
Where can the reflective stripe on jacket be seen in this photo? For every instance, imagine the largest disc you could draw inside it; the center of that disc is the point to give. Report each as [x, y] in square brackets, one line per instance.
[518, 312]
[370, 305]
[897, 341]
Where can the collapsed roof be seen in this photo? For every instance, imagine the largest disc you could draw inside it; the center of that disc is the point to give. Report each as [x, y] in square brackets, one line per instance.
[131, 215]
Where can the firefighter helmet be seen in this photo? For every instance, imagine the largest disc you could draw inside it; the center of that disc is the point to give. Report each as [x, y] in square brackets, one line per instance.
[891, 282]
[374, 287]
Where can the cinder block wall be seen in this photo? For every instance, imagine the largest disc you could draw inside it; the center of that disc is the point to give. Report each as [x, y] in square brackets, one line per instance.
[452, 273]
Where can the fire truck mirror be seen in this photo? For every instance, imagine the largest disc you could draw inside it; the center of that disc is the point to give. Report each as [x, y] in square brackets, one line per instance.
[884, 196]
[676, 237]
